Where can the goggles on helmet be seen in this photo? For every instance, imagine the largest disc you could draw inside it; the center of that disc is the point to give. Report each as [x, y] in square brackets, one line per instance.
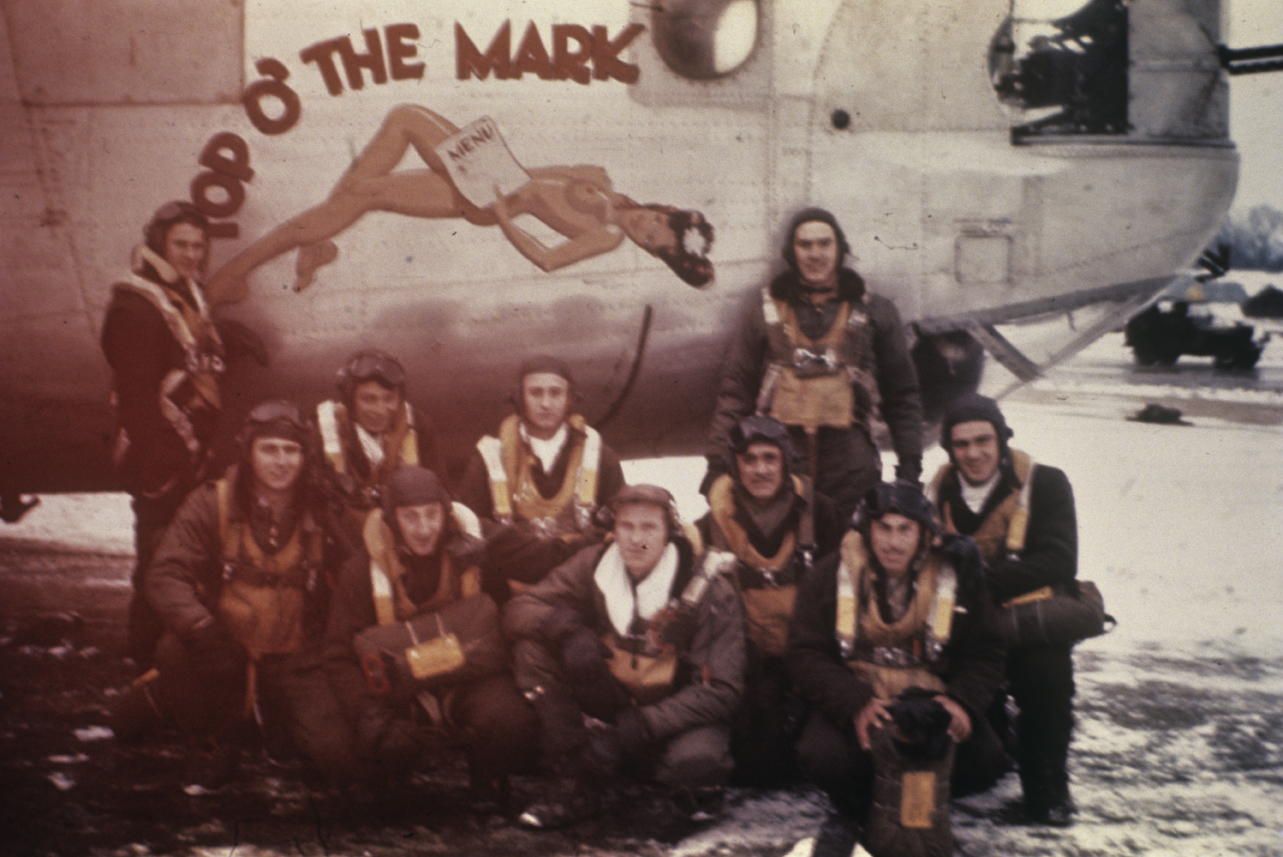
[175, 209]
[759, 428]
[899, 498]
[274, 411]
[375, 366]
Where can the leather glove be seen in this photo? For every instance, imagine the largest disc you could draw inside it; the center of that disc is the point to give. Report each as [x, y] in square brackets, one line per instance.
[909, 470]
[215, 655]
[583, 656]
[466, 550]
[962, 552]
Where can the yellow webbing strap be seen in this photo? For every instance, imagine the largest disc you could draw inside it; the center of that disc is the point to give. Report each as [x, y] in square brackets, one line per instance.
[491, 450]
[328, 415]
[586, 478]
[409, 441]
[1019, 525]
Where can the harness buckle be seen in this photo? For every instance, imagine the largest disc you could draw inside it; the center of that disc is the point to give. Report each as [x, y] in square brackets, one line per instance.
[808, 363]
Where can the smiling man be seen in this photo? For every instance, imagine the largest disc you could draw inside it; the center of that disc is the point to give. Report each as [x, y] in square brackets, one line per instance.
[166, 359]
[893, 612]
[634, 634]
[537, 483]
[1022, 516]
[826, 357]
[241, 583]
[371, 430]
[767, 517]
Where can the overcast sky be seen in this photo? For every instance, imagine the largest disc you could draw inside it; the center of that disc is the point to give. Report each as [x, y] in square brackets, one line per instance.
[1256, 104]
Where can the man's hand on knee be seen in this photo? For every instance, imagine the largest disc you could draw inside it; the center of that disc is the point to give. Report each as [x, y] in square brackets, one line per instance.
[959, 719]
[874, 715]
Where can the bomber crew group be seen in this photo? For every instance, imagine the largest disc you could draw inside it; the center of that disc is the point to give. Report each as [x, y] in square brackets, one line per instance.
[331, 589]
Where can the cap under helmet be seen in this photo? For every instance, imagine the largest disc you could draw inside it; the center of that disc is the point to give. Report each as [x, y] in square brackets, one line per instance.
[899, 498]
[763, 429]
[412, 485]
[545, 363]
[370, 364]
[164, 218]
[278, 418]
[973, 407]
[807, 215]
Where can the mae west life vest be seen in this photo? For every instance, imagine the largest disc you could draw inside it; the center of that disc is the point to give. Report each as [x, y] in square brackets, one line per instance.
[510, 462]
[1002, 533]
[392, 602]
[263, 596]
[647, 665]
[898, 655]
[193, 387]
[818, 382]
[768, 608]
[342, 447]
[442, 653]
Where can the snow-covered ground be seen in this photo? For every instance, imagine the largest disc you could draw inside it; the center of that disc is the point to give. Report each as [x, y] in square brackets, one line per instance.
[1179, 748]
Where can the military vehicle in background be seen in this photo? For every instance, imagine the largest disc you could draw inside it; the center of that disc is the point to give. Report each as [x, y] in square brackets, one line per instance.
[1204, 319]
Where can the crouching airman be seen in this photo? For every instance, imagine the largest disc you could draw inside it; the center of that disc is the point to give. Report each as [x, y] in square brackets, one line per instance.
[413, 646]
[895, 616]
[241, 583]
[635, 635]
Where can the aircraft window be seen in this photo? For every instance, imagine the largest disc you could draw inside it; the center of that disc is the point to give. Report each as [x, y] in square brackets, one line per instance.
[1062, 70]
[705, 39]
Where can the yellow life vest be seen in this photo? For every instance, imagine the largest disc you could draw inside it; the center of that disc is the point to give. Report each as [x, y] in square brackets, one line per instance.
[340, 443]
[392, 603]
[262, 599]
[813, 382]
[767, 609]
[510, 462]
[1003, 531]
[894, 656]
[645, 668]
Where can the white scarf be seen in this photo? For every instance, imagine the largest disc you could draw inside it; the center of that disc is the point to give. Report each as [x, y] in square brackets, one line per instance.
[976, 495]
[546, 450]
[372, 446]
[652, 593]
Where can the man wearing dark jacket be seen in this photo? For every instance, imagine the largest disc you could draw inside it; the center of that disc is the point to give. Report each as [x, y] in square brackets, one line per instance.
[166, 358]
[420, 557]
[634, 634]
[1021, 514]
[892, 612]
[538, 481]
[772, 527]
[241, 583]
[823, 355]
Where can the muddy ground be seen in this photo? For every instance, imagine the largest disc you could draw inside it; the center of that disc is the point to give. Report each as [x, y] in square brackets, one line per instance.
[1176, 753]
